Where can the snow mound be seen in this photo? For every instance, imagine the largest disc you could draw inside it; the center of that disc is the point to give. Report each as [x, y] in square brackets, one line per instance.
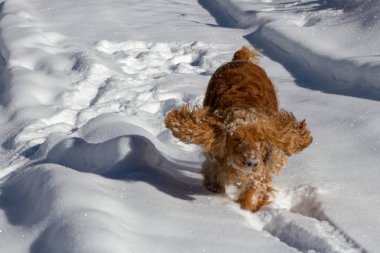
[45, 192]
[74, 211]
[104, 157]
[109, 126]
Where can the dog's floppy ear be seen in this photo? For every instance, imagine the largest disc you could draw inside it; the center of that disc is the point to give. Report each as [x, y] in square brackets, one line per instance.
[284, 132]
[192, 125]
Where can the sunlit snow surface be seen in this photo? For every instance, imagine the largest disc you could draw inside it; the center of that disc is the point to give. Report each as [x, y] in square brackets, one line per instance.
[86, 164]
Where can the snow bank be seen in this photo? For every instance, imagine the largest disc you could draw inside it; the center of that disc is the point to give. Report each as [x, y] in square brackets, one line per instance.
[334, 42]
[70, 202]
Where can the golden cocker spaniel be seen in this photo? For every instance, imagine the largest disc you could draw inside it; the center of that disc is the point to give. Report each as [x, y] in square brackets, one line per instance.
[244, 135]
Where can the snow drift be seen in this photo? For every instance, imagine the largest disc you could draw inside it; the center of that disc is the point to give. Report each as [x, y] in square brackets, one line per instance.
[334, 42]
[86, 164]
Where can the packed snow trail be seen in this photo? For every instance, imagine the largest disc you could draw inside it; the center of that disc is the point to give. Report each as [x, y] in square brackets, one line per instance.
[88, 166]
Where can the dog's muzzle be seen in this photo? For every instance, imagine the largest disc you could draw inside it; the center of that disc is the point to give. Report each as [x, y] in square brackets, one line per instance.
[251, 164]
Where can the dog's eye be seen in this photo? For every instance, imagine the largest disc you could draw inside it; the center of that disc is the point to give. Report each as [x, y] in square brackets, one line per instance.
[268, 156]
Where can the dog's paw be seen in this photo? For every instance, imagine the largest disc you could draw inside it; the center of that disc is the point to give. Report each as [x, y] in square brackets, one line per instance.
[252, 199]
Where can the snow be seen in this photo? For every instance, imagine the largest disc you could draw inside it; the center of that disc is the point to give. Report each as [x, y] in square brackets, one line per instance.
[87, 165]
[309, 36]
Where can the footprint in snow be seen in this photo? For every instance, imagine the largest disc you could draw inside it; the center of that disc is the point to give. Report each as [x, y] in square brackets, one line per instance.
[297, 219]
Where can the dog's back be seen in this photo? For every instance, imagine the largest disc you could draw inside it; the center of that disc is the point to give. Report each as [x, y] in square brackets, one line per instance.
[241, 84]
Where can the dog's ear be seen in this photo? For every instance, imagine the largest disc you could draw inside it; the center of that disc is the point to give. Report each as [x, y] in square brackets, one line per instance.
[284, 132]
[192, 125]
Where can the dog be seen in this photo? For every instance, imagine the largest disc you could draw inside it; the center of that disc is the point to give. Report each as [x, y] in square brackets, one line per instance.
[244, 135]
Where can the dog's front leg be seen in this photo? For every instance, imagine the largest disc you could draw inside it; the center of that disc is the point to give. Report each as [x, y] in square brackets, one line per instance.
[210, 177]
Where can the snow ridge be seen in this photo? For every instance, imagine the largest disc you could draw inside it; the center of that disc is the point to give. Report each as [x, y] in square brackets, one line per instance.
[346, 74]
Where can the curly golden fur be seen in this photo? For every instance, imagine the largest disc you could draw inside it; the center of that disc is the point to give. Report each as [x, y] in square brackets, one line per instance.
[245, 136]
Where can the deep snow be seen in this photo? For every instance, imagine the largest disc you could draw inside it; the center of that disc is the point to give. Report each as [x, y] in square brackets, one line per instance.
[88, 166]
[327, 45]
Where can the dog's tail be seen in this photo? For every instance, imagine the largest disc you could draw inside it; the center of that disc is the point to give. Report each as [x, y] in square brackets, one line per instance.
[246, 54]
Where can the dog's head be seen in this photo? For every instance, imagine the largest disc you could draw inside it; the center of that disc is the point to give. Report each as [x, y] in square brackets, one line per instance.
[245, 139]
[246, 149]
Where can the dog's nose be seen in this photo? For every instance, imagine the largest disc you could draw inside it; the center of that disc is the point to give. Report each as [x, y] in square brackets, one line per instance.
[252, 162]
